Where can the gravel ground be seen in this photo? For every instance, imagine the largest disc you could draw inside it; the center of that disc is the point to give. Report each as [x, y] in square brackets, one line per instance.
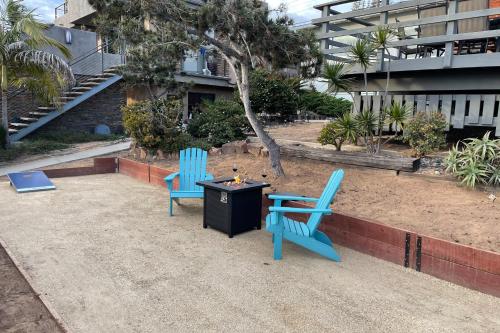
[104, 252]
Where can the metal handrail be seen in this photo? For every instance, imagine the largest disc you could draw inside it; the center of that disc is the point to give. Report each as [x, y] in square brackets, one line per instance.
[61, 8]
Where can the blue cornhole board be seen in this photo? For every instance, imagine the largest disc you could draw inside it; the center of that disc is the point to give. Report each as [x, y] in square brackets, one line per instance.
[31, 181]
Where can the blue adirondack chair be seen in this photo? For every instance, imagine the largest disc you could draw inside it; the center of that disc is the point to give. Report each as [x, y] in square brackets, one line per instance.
[304, 234]
[192, 168]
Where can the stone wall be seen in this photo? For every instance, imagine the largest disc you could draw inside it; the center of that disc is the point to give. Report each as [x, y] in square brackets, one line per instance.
[103, 108]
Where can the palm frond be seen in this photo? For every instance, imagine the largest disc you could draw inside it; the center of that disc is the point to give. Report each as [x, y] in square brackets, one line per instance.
[336, 75]
[46, 61]
[362, 52]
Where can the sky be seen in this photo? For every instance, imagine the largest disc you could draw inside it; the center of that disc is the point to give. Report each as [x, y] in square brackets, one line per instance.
[301, 10]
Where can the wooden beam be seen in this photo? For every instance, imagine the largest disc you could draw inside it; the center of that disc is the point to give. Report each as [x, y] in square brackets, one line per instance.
[431, 40]
[376, 10]
[354, 19]
[351, 158]
[426, 20]
[333, 3]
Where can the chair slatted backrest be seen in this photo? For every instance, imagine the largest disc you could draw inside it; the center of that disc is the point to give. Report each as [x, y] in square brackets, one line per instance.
[192, 168]
[326, 199]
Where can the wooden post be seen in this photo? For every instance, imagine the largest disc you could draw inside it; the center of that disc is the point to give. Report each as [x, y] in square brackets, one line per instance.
[384, 19]
[451, 28]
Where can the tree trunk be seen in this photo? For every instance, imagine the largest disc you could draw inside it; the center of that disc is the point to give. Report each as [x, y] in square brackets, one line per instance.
[5, 122]
[4, 92]
[386, 94]
[267, 141]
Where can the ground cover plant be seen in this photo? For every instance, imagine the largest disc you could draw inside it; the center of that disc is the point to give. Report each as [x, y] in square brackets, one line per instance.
[478, 162]
[30, 147]
[323, 104]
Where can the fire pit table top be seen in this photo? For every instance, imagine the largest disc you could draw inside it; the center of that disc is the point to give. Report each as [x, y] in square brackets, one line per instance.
[221, 185]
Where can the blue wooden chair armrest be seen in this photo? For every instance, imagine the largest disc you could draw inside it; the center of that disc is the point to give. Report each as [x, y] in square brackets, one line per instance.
[300, 210]
[291, 198]
[170, 180]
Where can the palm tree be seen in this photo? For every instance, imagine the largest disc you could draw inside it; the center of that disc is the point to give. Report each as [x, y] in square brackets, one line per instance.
[380, 39]
[22, 62]
[361, 53]
[336, 75]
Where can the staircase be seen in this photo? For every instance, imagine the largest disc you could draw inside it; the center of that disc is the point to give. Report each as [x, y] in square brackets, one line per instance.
[86, 87]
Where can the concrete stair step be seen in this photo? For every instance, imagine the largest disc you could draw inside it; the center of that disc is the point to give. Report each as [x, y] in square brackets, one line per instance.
[88, 83]
[28, 119]
[38, 114]
[49, 108]
[19, 125]
[80, 88]
[98, 79]
[13, 131]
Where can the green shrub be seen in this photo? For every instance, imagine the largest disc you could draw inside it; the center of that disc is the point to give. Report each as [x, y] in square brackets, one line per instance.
[425, 133]
[339, 131]
[155, 124]
[323, 104]
[273, 94]
[3, 141]
[30, 148]
[478, 161]
[219, 122]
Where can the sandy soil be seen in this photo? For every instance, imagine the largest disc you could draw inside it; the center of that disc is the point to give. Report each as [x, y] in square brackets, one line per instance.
[104, 252]
[20, 309]
[430, 206]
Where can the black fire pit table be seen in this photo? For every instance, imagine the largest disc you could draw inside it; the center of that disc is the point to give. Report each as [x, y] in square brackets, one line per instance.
[232, 209]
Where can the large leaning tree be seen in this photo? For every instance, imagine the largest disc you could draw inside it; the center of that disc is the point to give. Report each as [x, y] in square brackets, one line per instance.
[23, 62]
[244, 32]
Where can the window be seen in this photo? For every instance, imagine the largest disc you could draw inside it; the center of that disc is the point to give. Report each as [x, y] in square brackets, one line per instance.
[195, 99]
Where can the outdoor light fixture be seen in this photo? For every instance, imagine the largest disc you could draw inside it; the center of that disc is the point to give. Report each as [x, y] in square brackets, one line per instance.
[68, 37]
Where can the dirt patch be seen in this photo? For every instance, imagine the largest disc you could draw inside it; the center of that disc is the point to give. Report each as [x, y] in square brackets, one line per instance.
[20, 309]
[433, 207]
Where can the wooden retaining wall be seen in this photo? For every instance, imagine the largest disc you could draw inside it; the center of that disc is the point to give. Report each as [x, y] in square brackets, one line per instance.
[101, 166]
[463, 265]
[352, 158]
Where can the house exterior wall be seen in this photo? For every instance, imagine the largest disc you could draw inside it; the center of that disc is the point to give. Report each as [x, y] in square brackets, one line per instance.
[77, 9]
[137, 94]
[86, 58]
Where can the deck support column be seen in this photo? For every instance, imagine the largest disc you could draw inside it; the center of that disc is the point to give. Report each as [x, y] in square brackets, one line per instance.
[451, 28]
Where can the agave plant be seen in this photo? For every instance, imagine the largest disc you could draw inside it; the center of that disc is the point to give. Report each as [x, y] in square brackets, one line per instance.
[486, 148]
[478, 161]
[452, 161]
[473, 173]
[494, 176]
